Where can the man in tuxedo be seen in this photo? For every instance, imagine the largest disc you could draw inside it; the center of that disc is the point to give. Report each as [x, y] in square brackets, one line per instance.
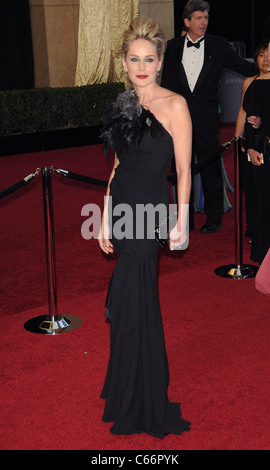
[193, 65]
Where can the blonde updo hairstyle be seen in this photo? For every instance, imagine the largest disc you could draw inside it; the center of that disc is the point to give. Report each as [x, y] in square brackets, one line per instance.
[145, 28]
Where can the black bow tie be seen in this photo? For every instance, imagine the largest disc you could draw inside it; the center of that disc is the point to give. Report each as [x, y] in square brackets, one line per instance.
[195, 44]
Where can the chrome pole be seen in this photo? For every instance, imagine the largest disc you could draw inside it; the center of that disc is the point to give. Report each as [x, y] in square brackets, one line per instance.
[237, 270]
[52, 323]
[50, 243]
[238, 207]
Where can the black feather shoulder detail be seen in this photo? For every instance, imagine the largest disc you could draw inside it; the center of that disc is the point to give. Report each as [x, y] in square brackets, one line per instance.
[126, 122]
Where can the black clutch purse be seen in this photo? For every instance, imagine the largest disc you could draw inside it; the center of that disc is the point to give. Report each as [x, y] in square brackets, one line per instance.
[162, 230]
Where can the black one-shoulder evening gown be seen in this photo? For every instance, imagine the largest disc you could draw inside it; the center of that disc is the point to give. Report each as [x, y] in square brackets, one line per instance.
[137, 378]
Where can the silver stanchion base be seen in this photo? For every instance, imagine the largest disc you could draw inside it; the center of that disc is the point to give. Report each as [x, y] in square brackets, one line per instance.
[232, 271]
[48, 325]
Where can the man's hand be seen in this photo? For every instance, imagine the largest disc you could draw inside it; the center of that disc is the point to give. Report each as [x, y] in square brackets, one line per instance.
[255, 121]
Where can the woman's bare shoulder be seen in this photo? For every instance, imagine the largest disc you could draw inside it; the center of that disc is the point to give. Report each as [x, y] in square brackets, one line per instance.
[174, 101]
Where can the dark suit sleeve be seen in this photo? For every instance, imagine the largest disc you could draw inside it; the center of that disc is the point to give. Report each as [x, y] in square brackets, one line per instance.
[234, 62]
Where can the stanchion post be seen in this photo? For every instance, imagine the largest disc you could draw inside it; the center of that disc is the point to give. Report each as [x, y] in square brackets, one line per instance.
[52, 323]
[238, 206]
[237, 270]
[49, 241]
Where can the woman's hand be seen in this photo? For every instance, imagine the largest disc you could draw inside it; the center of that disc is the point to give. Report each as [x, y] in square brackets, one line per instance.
[255, 157]
[106, 245]
[104, 241]
[178, 238]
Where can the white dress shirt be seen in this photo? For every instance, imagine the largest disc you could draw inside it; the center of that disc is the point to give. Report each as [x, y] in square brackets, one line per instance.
[192, 61]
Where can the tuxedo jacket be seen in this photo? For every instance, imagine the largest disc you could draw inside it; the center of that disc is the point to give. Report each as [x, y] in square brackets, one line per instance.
[204, 99]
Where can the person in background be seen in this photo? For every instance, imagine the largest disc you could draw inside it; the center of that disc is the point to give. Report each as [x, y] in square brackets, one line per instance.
[246, 167]
[192, 67]
[257, 144]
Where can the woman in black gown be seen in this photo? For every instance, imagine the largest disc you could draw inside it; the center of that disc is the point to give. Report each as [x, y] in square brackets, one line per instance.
[246, 168]
[145, 126]
[257, 102]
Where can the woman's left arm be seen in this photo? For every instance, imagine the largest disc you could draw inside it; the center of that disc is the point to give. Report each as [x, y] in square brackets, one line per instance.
[181, 129]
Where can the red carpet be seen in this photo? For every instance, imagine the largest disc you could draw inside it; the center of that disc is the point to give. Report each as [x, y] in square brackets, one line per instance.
[216, 329]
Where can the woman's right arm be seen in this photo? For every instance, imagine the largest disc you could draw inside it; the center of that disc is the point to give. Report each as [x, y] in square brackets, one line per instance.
[104, 234]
